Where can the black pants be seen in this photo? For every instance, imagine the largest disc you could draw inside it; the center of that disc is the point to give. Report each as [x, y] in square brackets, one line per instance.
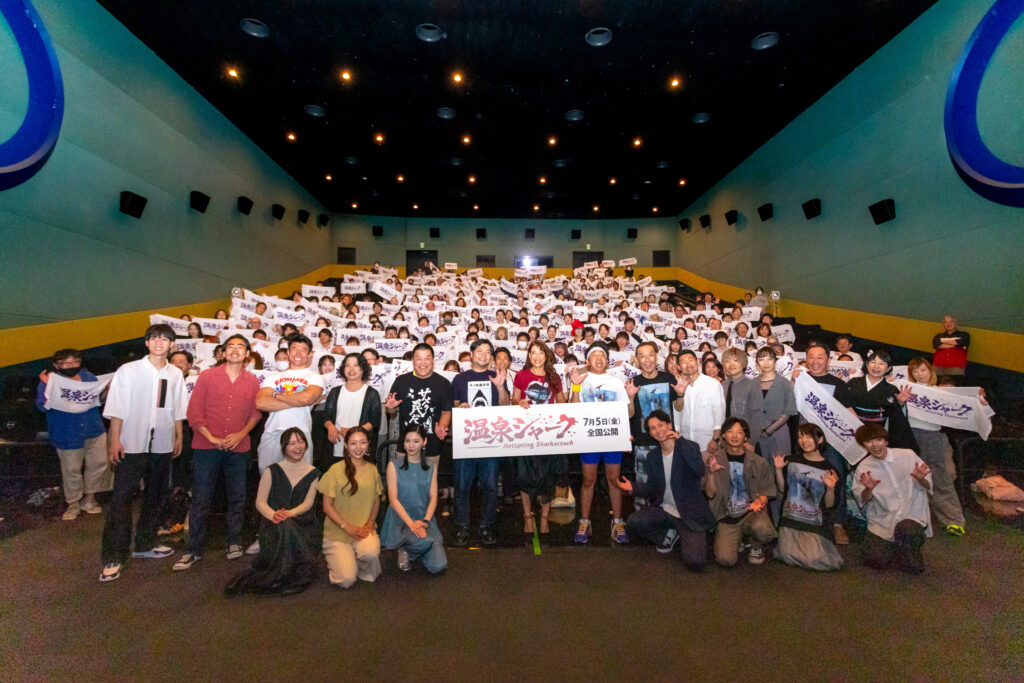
[653, 522]
[154, 470]
[905, 549]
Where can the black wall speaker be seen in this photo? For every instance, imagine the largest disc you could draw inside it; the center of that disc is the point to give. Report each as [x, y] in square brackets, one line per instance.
[575, 234]
[198, 201]
[378, 231]
[303, 215]
[435, 233]
[244, 205]
[133, 204]
[883, 211]
[812, 208]
[705, 220]
[631, 233]
[481, 233]
[323, 219]
[277, 211]
[530, 233]
[765, 211]
[731, 216]
[684, 224]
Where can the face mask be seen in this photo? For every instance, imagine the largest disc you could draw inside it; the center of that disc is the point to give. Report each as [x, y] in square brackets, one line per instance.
[69, 372]
[521, 344]
[281, 365]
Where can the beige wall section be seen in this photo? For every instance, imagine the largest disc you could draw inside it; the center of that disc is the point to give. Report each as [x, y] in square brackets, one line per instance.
[1000, 349]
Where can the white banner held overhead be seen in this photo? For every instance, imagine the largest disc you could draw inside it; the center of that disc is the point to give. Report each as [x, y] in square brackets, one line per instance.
[319, 291]
[941, 407]
[353, 288]
[627, 261]
[549, 429]
[72, 396]
[820, 407]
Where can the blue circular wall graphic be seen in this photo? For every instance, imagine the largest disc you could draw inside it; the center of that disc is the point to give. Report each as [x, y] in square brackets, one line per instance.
[27, 150]
[986, 174]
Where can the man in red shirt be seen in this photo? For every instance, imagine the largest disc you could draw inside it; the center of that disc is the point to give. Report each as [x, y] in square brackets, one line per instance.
[221, 412]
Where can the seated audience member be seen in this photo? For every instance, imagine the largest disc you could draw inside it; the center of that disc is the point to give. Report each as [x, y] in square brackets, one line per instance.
[938, 455]
[807, 484]
[892, 488]
[950, 348]
[409, 525]
[676, 489]
[289, 532]
[352, 489]
[844, 346]
[743, 487]
[77, 432]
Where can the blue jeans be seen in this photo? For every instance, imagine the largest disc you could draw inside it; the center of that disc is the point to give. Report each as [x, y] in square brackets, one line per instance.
[486, 469]
[206, 464]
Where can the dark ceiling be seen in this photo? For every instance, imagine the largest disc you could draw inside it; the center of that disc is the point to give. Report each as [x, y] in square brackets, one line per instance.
[524, 65]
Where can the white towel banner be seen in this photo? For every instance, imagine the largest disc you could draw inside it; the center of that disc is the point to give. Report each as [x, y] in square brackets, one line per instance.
[820, 407]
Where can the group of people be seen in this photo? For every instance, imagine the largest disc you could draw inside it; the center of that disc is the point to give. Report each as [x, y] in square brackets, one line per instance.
[711, 449]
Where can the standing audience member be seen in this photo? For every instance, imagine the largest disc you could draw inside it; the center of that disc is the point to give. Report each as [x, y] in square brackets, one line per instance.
[222, 412]
[352, 490]
[950, 348]
[146, 408]
[351, 404]
[892, 487]
[289, 532]
[78, 436]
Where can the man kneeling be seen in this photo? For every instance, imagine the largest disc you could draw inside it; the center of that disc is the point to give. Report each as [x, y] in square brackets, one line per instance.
[677, 489]
[892, 487]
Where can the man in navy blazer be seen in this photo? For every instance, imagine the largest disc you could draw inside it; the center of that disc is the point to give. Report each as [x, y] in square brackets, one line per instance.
[678, 512]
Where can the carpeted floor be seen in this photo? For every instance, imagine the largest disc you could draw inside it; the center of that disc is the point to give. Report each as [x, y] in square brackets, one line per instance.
[595, 613]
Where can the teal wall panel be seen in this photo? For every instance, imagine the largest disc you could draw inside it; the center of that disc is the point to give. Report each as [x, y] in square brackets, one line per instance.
[132, 124]
[878, 134]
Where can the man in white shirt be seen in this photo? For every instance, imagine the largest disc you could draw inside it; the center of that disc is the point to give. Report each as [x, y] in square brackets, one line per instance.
[703, 404]
[892, 487]
[146, 406]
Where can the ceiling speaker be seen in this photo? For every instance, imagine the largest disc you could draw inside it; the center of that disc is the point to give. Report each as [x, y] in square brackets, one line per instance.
[731, 216]
[765, 211]
[812, 208]
[705, 220]
[133, 204]
[435, 233]
[277, 211]
[244, 205]
[481, 233]
[322, 220]
[303, 215]
[631, 233]
[684, 224]
[575, 234]
[378, 231]
[530, 233]
[883, 211]
[198, 201]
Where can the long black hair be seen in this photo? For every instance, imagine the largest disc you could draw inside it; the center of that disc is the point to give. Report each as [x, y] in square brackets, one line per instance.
[422, 431]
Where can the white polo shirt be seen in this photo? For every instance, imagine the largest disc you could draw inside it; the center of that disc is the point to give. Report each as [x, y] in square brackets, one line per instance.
[148, 425]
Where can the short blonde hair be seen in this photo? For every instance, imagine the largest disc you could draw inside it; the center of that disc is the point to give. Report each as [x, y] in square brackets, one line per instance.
[918, 362]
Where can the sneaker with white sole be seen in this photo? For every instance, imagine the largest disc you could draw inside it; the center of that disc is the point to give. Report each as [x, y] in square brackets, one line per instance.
[254, 549]
[619, 533]
[668, 541]
[234, 551]
[111, 572]
[72, 512]
[756, 556]
[90, 506]
[403, 560]
[155, 553]
[186, 561]
[583, 532]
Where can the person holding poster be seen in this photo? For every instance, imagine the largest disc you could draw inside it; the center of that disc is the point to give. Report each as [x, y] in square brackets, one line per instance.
[478, 387]
[594, 386]
[938, 455]
[538, 383]
[78, 436]
[892, 487]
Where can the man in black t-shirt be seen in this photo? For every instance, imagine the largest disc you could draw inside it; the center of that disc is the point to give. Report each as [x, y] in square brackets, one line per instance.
[650, 390]
[423, 397]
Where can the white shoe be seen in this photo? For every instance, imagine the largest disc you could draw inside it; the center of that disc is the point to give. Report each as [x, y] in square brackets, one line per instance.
[234, 551]
[90, 506]
[254, 549]
[155, 553]
[72, 512]
[111, 571]
[186, 561]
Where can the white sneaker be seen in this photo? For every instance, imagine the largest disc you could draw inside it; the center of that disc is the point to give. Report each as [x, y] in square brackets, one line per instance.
[155, 553]
[111, 571]
[254, 549]
[186, 561]
[90, 506]
[72, 512]
[234, 551]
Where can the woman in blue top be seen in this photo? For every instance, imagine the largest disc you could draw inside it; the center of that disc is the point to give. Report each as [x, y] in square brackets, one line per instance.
[409, 524]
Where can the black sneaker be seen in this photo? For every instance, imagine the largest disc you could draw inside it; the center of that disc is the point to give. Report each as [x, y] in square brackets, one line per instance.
[487, 536]
[461, 537]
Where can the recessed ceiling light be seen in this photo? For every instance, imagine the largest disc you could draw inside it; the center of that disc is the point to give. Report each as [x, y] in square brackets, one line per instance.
[346, 75]
[611, 181]
[255, 28]
[351, 161]
[457, 77]
[429, 33]
[654, 209]
[536, 207]
[415, 207]
[552, 141]
[378, 137]
[598, 37]
[675, 82]
[315, 110]
[637, 142]
[400, 178]
[574, 115]
[466, 139]
[291, 137]
[328, 177]
[355, 205]
[233, 73]
[445, 113]
[476, 207]
[701, 117]
[472, 179]
[543, 180]
[765, 40]
[682, 182]
[596, 208]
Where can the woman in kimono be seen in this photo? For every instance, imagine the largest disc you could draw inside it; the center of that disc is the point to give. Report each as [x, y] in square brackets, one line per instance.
[873, 400]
